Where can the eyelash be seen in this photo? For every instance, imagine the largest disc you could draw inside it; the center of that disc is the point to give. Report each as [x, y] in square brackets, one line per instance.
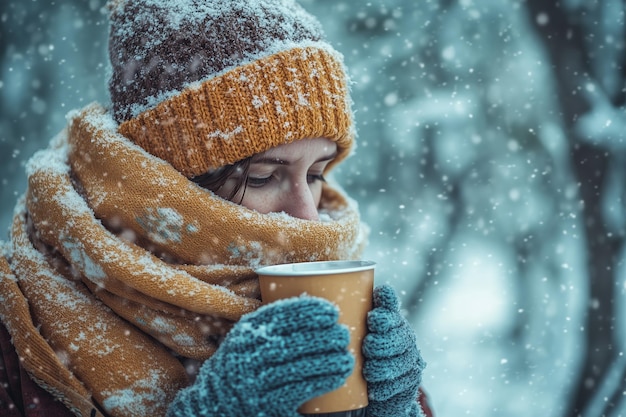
[260, 182]
[315, 177]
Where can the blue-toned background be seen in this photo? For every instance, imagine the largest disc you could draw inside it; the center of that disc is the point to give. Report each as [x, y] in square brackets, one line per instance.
[490, 167]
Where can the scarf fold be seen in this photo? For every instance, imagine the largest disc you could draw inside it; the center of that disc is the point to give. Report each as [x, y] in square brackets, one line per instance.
[120, 267]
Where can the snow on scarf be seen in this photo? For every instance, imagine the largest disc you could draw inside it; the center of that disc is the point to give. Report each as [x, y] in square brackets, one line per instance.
[120, 266]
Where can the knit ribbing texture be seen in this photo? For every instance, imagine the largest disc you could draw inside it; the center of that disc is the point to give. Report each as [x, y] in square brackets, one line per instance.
[295, 94]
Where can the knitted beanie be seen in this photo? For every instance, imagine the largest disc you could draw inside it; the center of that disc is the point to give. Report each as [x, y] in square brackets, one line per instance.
[206, 83]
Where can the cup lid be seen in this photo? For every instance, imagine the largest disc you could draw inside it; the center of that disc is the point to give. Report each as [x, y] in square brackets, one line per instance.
[318, 267]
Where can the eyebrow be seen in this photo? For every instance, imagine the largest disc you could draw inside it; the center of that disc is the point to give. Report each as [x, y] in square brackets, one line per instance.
[277, 161]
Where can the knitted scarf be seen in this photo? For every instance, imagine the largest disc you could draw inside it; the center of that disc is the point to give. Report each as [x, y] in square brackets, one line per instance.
[120, 268]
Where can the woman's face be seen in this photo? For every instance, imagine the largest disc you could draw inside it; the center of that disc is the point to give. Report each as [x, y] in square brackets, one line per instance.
[287, 178]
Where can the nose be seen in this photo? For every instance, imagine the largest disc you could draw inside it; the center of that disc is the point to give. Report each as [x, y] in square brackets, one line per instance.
[300, 202]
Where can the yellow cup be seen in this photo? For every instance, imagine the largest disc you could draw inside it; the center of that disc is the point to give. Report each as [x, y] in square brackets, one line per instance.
[347, 284]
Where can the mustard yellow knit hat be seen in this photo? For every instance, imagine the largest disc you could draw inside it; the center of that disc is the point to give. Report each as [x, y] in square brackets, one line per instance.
[203, 84]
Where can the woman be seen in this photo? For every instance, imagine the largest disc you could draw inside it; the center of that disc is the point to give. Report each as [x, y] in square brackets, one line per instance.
[129, 288]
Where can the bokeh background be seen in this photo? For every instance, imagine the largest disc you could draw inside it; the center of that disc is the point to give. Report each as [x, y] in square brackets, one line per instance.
[491, 168]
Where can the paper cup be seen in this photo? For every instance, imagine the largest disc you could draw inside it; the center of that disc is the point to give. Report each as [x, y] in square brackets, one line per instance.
[349, 285]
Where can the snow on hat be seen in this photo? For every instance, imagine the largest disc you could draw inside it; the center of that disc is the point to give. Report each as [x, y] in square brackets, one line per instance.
[203, 84]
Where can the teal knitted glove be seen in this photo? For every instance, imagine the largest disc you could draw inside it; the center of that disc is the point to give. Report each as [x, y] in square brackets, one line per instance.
[272, 361]
[392, 362]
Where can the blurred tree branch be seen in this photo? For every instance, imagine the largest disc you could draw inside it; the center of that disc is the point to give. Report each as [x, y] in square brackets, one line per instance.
[574, 40]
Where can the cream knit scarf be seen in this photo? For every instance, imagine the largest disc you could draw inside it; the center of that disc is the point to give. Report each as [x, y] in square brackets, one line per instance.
[120, 268]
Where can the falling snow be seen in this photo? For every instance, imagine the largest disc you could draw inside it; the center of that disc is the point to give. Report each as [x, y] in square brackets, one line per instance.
[493, 184]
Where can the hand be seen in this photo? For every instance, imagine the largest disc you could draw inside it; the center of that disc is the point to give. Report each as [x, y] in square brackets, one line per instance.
[392, 362]
[272, 361]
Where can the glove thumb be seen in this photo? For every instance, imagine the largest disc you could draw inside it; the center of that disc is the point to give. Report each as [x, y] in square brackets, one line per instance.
[385, 297]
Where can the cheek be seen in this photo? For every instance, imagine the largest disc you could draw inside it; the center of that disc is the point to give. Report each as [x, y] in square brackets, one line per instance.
[255, 199]
[316, 192]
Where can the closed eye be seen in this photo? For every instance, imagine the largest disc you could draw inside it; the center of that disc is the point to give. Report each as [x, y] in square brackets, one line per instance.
[258, 182]
[313, 178]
